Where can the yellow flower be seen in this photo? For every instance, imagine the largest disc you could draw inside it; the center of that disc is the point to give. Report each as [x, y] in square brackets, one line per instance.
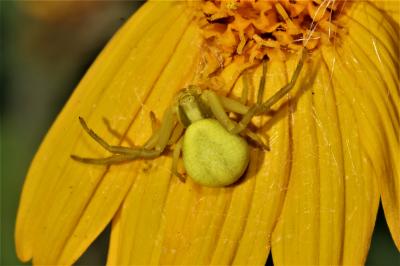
[311, 200]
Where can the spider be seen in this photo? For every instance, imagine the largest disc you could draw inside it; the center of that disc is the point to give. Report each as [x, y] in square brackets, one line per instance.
[213, 146]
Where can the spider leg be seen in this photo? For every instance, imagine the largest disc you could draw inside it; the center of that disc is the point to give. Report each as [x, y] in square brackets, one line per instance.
[261, 86]
[240, 106]
[266, 106]
[155, 124]
[231, 105]
[255, 138]
[152, 141]
[217, 104]
[245, 91]
[252, 110]
[218, 110]
[103, 143]
[176, 134]
[123, 154]
[175, 158]
[165, 131]
[166, 127]
[119, 158]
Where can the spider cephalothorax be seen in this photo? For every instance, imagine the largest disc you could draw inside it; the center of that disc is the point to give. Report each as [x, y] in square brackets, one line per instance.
[214, 147]
[191, 106]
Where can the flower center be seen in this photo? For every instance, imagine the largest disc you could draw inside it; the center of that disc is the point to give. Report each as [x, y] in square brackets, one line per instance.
[254, 29]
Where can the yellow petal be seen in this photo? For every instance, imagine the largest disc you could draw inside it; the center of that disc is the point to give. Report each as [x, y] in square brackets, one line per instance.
[392, 8]
[312, 214]
[317, 226]
[362, 194]
[60, 194]
[373, 45]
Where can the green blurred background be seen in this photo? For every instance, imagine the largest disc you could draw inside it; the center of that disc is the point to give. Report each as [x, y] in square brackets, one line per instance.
[45, 49]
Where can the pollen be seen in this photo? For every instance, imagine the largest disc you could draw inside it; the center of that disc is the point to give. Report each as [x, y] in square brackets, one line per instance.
[254, 29]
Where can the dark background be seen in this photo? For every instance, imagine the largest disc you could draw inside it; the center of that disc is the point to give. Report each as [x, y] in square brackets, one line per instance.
[45, 49]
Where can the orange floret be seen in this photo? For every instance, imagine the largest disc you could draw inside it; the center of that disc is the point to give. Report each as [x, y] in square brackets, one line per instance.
[254, 29]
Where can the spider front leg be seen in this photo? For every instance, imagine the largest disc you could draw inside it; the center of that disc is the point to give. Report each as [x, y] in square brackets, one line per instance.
[175, 159]
[245, 90]
[255, 138]
[219, 105]
[259, 108]
[103, 143]
[261, 86]
[124, 154]
[218, 110]
[118, 158]
[240, 106]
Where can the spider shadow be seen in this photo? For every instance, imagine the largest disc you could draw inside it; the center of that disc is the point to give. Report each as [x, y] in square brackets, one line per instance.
[121, 137]
[305, 83]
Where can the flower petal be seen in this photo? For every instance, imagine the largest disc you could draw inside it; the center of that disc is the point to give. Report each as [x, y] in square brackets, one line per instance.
[392, 8]
[362, 194]
[310, 228]
[362, 69]
[374, 45]
[60, 194]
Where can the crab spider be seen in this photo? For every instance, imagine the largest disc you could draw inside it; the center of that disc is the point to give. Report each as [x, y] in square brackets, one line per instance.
[213, 146]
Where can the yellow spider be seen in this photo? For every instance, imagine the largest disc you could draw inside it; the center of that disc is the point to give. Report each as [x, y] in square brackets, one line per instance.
[213, 147]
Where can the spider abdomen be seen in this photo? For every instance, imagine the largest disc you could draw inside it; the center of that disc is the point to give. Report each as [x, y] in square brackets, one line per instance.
[212, 156]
